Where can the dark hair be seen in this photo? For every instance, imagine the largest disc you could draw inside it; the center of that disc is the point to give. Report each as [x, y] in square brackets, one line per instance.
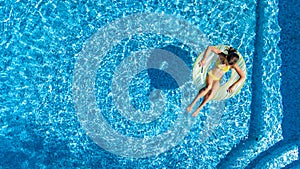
[232, 56]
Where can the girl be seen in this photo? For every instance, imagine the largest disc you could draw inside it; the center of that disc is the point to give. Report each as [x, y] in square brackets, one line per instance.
[223, 65]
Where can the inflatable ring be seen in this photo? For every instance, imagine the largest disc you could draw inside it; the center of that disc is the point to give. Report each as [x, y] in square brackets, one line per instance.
[200, 74]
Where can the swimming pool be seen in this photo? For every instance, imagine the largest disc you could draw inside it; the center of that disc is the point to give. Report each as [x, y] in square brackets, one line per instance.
[104, 85]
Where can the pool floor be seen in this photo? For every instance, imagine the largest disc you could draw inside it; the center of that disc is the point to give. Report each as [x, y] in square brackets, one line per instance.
[105, 84]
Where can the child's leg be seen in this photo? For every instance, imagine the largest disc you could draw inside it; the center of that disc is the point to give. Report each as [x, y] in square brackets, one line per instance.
[202, 92]
[215, 87]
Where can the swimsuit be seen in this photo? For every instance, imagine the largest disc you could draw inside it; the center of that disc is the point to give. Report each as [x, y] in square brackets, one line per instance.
[223, 67]
[213, 76]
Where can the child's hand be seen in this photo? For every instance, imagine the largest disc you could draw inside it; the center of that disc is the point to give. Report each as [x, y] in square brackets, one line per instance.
[201, 63]
[231, 89]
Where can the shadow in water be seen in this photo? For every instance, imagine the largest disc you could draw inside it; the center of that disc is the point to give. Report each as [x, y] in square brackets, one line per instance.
[169, 68]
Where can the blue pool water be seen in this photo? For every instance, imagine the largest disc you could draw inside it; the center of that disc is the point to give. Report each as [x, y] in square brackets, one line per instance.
[105, 85]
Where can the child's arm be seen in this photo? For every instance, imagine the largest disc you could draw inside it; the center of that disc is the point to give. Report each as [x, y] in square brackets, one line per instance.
[207, 51]
[241, 79]
[211, 49]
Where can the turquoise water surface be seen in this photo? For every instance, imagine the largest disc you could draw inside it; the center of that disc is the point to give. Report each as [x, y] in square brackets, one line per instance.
[105, 85]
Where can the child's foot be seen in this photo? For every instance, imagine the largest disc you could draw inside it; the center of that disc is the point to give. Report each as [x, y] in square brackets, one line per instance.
[189, 108]
[196, 113]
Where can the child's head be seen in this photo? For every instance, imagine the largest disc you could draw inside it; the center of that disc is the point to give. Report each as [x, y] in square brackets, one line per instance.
[232, 57]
